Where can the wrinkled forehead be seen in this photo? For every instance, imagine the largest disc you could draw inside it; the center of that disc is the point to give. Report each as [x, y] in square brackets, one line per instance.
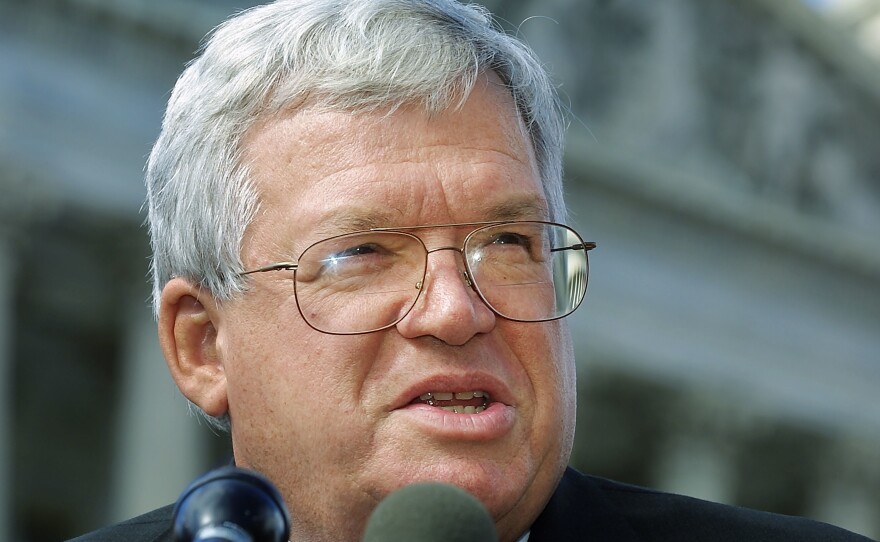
[316, 133]
[394, 168]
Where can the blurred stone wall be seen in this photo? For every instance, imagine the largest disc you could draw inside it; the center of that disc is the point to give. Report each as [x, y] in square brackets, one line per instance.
[722, 154]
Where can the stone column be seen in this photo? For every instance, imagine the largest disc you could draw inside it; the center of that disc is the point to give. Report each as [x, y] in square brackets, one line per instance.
[695, 466]
[847, 491]
[695, 460]
[6, 366]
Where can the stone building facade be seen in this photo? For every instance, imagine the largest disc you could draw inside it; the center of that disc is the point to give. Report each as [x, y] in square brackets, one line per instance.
[723, 153]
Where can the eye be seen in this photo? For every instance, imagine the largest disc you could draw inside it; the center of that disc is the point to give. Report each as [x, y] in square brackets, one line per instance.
[514, 244]
[511, 238]
[358, 250]
[358, 256]
[354, 257]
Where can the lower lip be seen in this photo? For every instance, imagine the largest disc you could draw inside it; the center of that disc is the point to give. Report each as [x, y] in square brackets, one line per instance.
[494, 422]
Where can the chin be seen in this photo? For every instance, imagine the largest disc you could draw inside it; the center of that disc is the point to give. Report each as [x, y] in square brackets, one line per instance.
[500, 485]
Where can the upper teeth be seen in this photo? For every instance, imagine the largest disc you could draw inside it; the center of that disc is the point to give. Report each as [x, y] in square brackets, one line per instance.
[448, 396]
[431, 398]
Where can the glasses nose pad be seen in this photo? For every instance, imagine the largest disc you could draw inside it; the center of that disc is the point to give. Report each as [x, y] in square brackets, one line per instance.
[467, 279]
[464, 274]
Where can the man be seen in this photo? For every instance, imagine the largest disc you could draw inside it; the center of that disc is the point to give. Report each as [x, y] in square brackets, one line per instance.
[360, 270]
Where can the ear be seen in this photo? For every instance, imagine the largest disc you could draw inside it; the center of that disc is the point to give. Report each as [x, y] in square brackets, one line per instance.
[188, 335]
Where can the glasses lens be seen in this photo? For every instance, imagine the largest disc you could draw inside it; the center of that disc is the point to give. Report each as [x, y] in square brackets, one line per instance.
[360, 282]
[528, 271]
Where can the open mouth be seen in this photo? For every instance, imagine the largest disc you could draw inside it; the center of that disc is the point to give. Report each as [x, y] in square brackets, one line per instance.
[464, 402]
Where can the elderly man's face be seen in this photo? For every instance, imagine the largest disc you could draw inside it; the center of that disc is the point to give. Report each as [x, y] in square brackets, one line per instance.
[331, 419]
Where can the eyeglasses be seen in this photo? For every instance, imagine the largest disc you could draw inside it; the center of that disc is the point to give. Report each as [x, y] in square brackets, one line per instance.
[525, 271]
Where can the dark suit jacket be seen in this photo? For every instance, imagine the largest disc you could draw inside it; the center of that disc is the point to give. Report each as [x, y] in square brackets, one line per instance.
[586, 508]
[590, 509]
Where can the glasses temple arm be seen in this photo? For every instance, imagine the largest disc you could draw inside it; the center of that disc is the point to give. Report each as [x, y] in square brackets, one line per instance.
[586, 245]
[280, 266]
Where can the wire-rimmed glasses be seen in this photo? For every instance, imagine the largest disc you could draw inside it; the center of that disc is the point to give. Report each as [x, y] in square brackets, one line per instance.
[525, 271]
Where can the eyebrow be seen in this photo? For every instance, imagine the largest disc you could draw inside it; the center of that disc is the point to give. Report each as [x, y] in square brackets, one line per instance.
[520, 208]
[525, 207]
[351, 220]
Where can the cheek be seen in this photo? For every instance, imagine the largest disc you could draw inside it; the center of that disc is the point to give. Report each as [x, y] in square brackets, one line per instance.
[548, 360]
[566, 375]
[546, 355]
[296, 418]
[567, 365]
[293, 374]
[567, 404]
[288, 380]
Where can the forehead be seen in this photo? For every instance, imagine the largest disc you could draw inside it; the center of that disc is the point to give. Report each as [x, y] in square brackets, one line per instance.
[337, 170]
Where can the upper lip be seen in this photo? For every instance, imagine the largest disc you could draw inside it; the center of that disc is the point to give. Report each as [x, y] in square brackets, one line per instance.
[476, 381]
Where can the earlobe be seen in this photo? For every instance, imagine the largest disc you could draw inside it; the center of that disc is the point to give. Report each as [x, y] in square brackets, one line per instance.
[188, 336]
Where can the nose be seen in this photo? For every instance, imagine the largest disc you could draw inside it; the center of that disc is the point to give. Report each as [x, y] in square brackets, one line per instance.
[448, 307]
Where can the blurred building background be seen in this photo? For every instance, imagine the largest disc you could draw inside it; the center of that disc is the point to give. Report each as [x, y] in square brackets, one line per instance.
[725, 155]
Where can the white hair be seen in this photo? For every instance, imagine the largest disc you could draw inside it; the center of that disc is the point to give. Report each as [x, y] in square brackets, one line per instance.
[352, 55]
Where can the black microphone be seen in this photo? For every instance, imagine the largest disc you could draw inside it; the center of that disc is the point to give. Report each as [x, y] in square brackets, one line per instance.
[430, 512]
[231, 505]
